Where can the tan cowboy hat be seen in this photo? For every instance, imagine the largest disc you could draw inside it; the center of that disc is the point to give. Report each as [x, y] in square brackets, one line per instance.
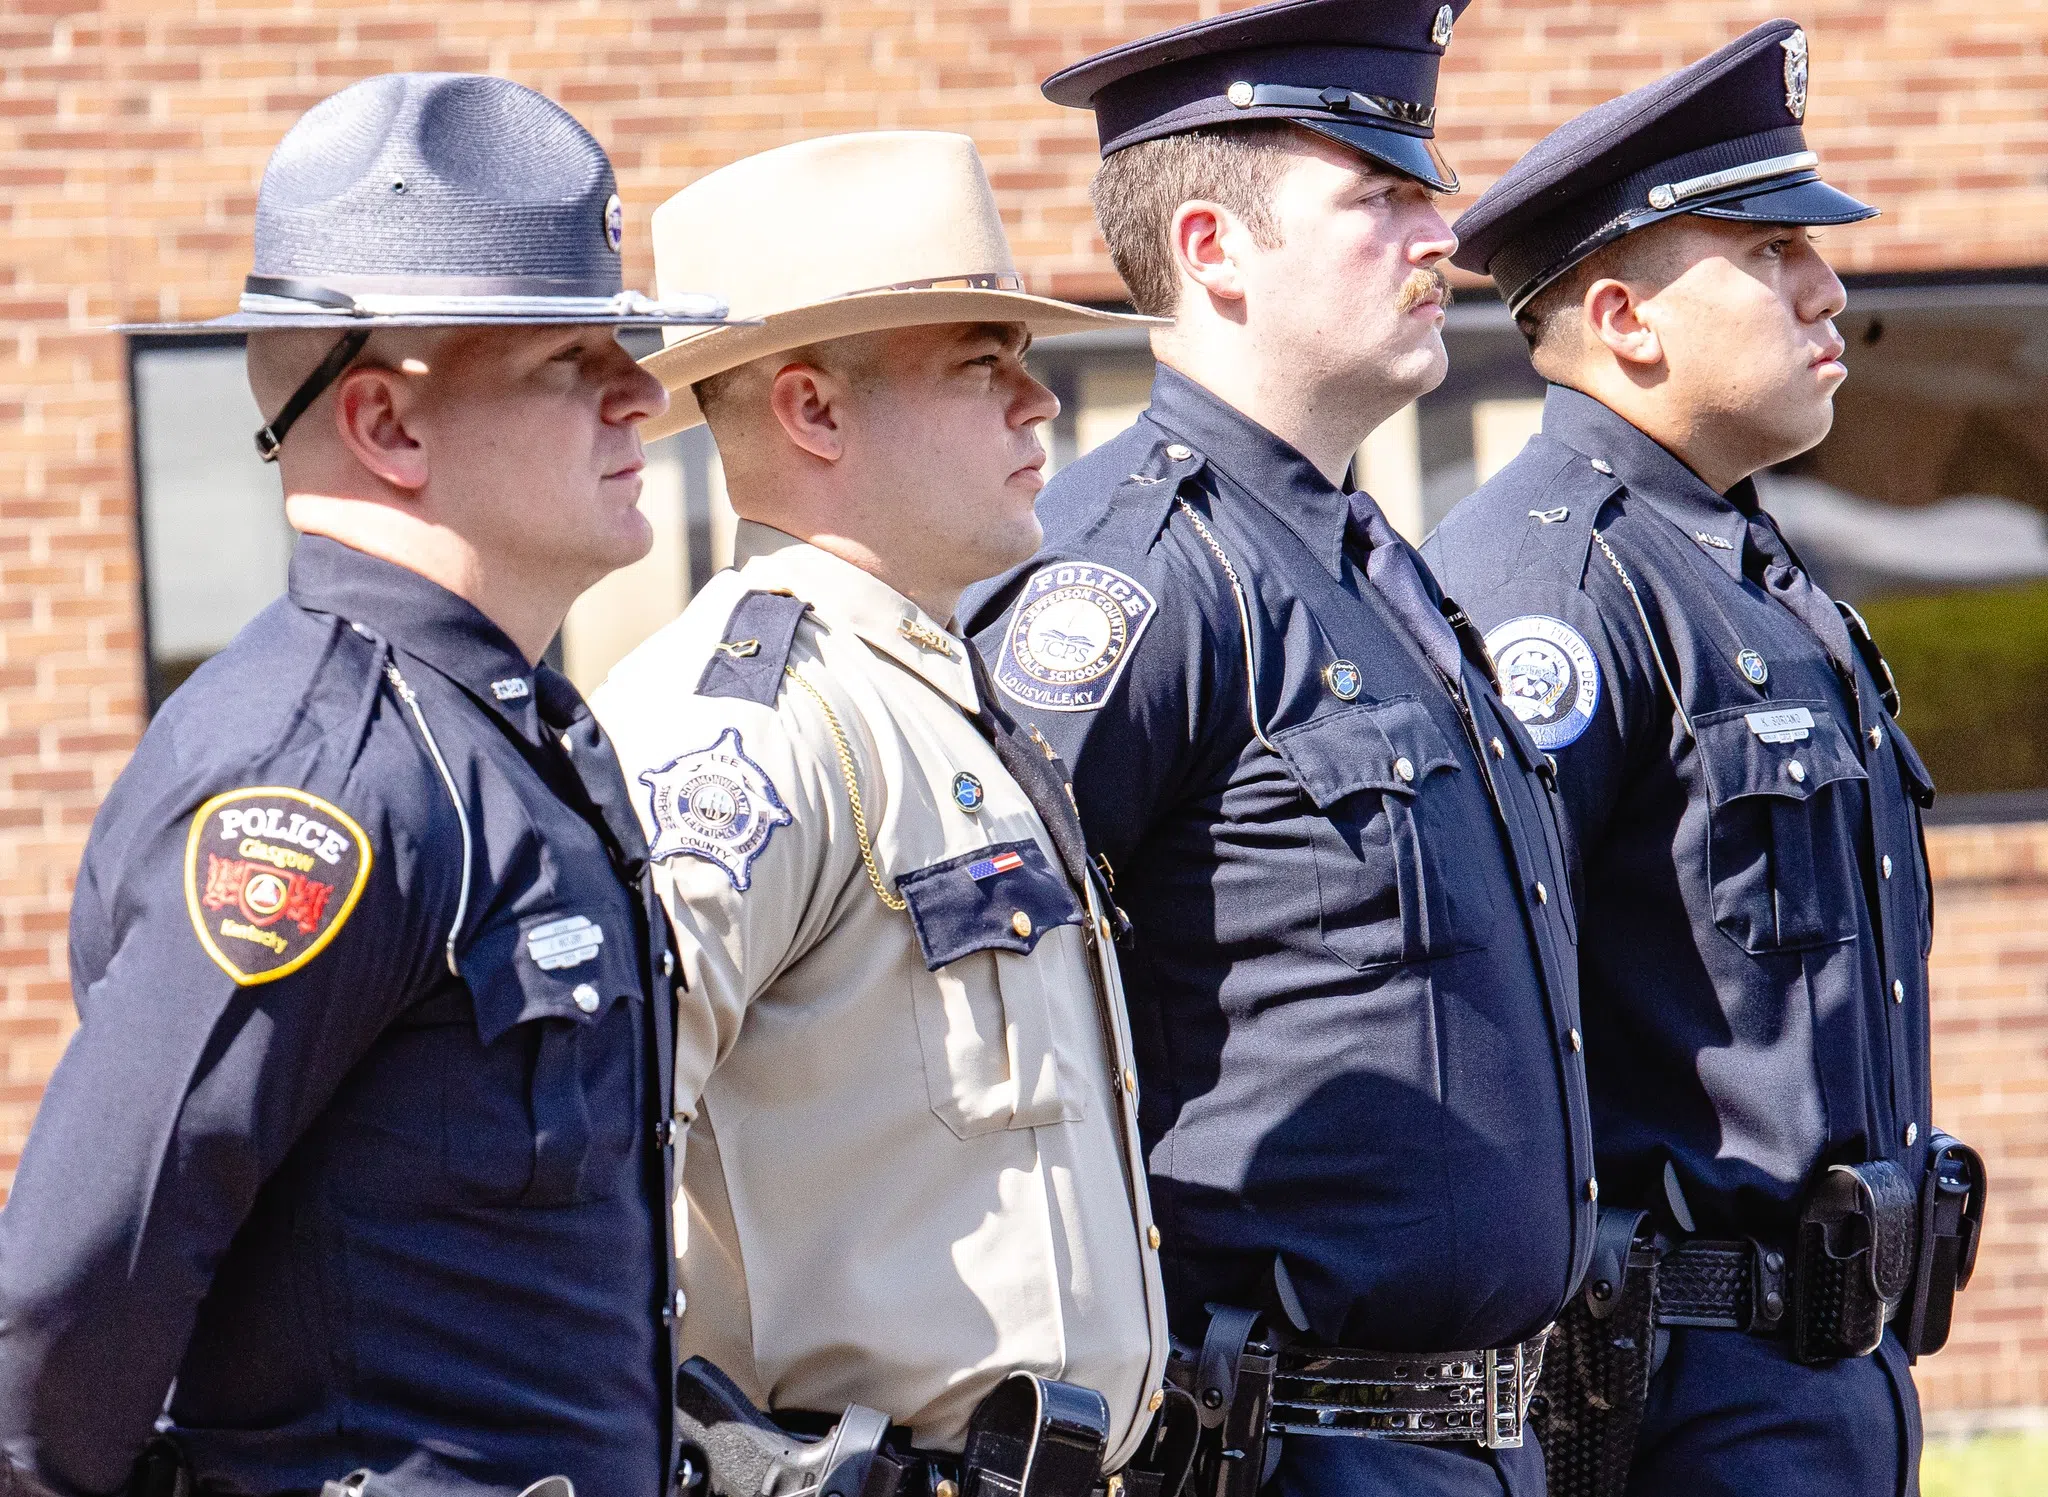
[838, 236]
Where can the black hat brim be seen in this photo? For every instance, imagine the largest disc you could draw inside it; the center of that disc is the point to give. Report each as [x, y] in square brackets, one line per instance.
[1810, 201]
[1410, 155]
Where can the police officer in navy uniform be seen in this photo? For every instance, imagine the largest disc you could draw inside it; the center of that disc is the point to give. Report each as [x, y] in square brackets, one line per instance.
[358, 1160]
[1755, 921]
[1351, 965]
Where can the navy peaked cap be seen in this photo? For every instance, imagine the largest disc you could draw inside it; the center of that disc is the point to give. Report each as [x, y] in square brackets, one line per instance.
[1721, 138]
[428, 199]
[1359, 72]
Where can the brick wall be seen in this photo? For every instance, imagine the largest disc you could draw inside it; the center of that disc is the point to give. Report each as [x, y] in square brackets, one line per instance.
[132, 135]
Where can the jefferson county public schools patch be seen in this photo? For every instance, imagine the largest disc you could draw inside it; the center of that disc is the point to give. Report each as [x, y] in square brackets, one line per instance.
[1074, 627]
[715, 804]
[271, 873]
[1549, 677]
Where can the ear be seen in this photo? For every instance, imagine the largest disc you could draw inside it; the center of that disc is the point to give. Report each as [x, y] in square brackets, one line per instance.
[1614, 318]
[1204, 238]
[371, 406]
[810, 406]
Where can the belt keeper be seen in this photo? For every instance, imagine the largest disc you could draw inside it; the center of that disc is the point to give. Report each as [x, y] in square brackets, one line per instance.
[1768, 1300]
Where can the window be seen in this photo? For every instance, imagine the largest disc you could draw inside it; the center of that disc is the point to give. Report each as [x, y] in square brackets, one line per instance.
[1926, 507]
[215, 545]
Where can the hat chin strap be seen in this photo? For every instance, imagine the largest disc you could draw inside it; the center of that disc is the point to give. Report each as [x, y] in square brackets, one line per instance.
[339, 357]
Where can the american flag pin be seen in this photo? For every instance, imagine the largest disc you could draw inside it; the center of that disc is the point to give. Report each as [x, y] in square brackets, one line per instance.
[1002, 862]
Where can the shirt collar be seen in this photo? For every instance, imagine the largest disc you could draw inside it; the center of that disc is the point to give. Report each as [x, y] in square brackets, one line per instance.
[844, 596]
[1261, 464]
[1717, 525]
[420, 617]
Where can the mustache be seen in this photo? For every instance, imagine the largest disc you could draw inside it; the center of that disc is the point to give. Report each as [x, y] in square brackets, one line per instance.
[1424, 285]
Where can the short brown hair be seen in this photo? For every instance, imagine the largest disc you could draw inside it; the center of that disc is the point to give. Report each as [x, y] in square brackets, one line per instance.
[1139, 189]
[1644, 256]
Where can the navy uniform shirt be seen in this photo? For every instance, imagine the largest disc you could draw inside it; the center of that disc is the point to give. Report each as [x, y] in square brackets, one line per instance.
[371, 1198]
[1353, 1012]
[1756, 917]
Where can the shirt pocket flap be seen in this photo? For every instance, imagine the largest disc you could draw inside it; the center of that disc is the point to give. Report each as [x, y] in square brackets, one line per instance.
[1739, 763]
[1389, 746]
[1000, 898]
[546, 966]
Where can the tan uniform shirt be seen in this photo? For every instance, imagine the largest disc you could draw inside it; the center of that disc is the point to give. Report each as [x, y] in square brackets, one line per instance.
[901, 1183]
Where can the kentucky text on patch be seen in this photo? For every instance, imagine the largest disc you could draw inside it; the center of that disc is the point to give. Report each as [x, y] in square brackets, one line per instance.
[271, 874]
[1073, 630]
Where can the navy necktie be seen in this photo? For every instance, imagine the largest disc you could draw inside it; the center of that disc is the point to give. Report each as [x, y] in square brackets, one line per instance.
[596, 783]
[1391, 568]
[1768, 561]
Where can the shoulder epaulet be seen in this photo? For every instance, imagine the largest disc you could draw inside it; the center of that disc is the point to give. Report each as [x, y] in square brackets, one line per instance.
[748, 661]
[1141, 502]
[1567, 492]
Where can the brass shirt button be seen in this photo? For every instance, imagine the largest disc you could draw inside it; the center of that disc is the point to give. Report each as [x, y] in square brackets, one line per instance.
[1797, 771]
[1500, 750]
[1912, 1134]
[1592, 1190]
[1887, 865]
[1877, 737]
[585, 997]
[1542, 894]
[1130, 1081]
[1152, 1236]
[1898, 991]
[1404, 770]
[1578, 1041]
[1021, 924]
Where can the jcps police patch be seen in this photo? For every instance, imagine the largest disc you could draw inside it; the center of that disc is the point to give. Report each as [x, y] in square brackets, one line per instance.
[271, 875]
[715, 804]
[1074, 627]
[1548, 676]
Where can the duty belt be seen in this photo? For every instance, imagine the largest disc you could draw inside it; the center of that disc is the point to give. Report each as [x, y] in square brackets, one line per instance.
[1737, 1285]
[1479, 1396]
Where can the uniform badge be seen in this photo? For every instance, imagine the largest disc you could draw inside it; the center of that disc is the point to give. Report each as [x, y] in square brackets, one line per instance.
[1549, 677]
[1752, 666]
[271, 874]
[1074, 628]
[1795, 74]
[615, 223]
[1343, 679]
[968, 794]
[715, 804]
[1440, 29]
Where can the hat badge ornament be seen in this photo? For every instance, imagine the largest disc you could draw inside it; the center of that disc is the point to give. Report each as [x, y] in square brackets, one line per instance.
[1795, 74]
[1440, 30]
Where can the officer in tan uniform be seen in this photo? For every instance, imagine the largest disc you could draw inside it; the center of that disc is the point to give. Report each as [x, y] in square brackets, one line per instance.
[912, 1165]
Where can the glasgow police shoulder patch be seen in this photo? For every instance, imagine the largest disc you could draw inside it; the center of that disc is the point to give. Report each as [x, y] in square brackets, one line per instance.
[1549, 677]
[271, 876]
[715, 804]
[1073, 629]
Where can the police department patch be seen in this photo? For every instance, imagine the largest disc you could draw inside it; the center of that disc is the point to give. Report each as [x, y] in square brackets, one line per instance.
[1549, 676]
[715, 804]
[271, 874]
[1074, 627]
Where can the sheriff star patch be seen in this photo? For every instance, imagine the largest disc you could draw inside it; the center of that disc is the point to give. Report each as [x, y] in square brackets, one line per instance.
[715, 804]
[1074, 628]
[271, 874]
[1549, 677]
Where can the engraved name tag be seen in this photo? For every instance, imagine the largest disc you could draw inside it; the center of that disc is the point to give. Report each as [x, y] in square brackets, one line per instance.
[1786, 725]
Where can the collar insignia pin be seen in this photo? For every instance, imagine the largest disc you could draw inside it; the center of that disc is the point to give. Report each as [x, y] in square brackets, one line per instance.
[1708, 538]
[1752, 666]
[1343, 679]
[1551, 516]
[1795, 74]
[925, 637]
[968, 794]
[511, 689]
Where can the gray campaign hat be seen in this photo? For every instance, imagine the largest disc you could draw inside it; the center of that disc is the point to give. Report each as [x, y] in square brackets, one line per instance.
[438, 200]
[1722, 138]
[1361, 74]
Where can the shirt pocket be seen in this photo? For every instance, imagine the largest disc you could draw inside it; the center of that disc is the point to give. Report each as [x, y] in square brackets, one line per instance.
[551, 1120]
[999, 1047]
[1376, 774]
[1781, 846]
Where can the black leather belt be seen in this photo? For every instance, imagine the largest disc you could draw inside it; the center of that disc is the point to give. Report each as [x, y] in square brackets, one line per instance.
[1474, 1396]
[1733, 1285]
